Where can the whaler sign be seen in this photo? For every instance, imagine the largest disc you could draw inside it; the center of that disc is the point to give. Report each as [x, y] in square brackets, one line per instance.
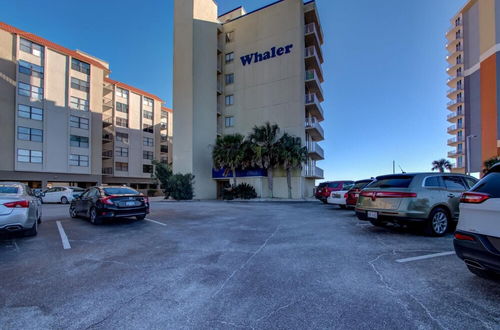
[259, 57]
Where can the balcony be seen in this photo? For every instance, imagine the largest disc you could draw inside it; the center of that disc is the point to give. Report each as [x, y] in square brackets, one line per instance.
[315, 151]
[455, 154]
[453, 67]
[107, 121]
[455, 140]
[311, 16]
[107, 154]
[313, 172]
[454, 52]
[453, 129]
[313, 106]
[454, 78]
[454, 116]
[454, 103]
[451, 93]
[106, 137]
[107, 104]
[313, 62]
[449, 43]
[314, 129]
[312, 38]
[107, 88]
[453, 29]
[313, 85]
[219, 87]
[107, 170]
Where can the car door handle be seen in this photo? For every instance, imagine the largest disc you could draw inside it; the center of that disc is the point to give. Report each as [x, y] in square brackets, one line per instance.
[451, 195]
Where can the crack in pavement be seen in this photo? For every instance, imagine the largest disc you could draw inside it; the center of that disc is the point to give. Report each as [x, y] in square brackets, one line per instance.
[265, 317]
[246, 262]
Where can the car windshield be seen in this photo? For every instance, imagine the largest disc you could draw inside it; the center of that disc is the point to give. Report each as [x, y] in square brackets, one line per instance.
[120, 191]
[393, 181]
[9, 190]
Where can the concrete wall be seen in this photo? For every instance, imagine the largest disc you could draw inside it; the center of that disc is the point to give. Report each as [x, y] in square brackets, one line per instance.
[471, 37]
[7, 99]
[473, 118]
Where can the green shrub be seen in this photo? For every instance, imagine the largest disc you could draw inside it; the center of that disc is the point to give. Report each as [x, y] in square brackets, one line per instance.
[151, 192]
[242, 191]
[180, 186]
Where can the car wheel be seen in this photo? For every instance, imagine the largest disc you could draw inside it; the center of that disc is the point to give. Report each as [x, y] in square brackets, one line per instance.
[378, 223]
[438, 222]
[483, 273]
[40, 199]
[343, 207]
[324, 201]
[141, 217]
[33, 231]
[94, 219]
[64, 200]
[72, 212]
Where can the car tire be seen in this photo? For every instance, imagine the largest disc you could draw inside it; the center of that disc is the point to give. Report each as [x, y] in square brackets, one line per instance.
[378, 223]
[40, 199]
[438, 222]
[64, 200]
[72, 212]
[94, 219]
[483, 273]
[140, 217]
[343, 207]
[324, 201]
[33, 231]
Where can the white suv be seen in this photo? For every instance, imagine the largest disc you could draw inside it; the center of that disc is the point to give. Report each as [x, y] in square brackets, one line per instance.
[62, 195]
[477, 239]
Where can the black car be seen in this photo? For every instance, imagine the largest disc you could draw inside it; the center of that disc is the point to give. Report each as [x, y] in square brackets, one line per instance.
[107, 202]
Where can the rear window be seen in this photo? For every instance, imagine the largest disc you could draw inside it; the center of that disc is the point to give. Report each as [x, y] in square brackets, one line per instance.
[334, 184]
[120, 191]
[322, 185]
[490, 184]
[361, 184]
[399, 181]
[9, 190]
[75, 189]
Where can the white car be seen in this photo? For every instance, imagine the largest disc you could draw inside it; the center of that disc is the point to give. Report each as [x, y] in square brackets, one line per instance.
[477, 239]
[62, 195]
[339, 197]
[20, 210]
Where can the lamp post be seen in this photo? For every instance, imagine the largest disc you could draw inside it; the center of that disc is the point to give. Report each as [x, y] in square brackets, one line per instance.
[469, 137]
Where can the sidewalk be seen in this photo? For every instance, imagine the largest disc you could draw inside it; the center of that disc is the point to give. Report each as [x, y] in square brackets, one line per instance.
[255, 200]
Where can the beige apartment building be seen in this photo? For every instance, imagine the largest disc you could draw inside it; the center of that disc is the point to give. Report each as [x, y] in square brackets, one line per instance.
[65, 122]
[235, 70]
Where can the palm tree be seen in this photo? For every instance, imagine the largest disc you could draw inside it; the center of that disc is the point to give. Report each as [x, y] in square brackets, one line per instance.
[266, 148]
[228, 153]
[488, 164]
[292, 156]
[441, 165]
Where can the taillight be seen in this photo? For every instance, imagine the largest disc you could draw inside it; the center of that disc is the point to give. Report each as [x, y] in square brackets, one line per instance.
[107, 200]
[464, 237]
[387, 194]
[474, 197]
[345, 195]
[23, 204]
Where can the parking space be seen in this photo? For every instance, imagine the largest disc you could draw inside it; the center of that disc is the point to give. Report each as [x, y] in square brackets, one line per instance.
[237, 265]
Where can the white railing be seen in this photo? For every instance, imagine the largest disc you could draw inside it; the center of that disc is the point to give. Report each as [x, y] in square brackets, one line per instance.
[310, 123]
[314, 147]
[312, 99]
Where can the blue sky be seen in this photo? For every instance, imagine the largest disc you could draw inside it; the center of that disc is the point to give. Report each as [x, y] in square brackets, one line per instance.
[385, 69]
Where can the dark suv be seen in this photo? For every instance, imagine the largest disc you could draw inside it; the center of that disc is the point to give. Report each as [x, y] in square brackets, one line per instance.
[325, 188]
[107, 202]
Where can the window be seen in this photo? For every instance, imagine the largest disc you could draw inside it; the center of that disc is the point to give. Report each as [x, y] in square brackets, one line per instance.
[29, 134]
[147, 114]
[122, 122]
[79, 84]
[123, 167]
[121, 92]
[163, 148]
[490, 184]
[432, 182]
[147, 155]
[79, 160]
[147, 128]
[229, 37]
[29, 156]
[147, 168]
[229, 78]
[30, 69]
[79, 122]
[79, 104]
[121, 152]
[122, 137]
[25, 111]
[163, 137]
[148, 142]
[229, 57]
[80, 66]
[454, 183]
[121, 107]
[229, 121]
[79, 141]
[30, 47]
[120, 191]
[229, 99]
[471, 182]
[30, 91]
[392, 181]
[147, 101]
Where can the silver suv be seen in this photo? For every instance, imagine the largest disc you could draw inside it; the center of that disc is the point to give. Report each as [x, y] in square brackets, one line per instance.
[431, 199]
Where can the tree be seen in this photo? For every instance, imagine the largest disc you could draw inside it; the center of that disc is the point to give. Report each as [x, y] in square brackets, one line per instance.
[228, 154]
[488, 164]
[266, 149]
[441, 164]
[291, 156]
[178, 186]
[162, 172]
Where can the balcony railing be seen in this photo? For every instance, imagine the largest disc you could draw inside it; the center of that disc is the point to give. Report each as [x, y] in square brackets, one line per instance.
[313, 172]
[311, 28]
[453, 90]
[456, 139]
[313, 83]
[455, 102]
[315, 130]
[455, 114]
[107, 170]
[315, 151]
[454, 154]
[313, 61]
[455, 127]
[106, 121]
[219, 87]
[456, 37]
[314, 106]
[456, 76]
[454, 65]
[107, 154]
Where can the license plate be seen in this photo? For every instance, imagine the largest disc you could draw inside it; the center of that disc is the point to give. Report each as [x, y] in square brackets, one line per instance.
[130, 203]
[372, 215]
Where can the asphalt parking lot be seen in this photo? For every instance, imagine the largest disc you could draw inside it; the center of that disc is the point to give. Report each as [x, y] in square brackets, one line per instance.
[198, 265]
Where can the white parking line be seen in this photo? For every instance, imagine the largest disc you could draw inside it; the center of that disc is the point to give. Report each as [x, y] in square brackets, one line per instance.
[427, 256]
[160, 223]
[64, 238]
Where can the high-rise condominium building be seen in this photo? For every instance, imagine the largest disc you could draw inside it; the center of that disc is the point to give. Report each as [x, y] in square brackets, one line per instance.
[65, 122]
[473, 42]
[235, 70]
